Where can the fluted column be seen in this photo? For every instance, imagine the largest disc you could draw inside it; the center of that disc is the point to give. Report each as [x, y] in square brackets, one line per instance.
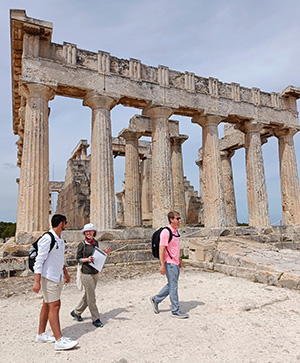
[178, 175]
[258, 211]
[133, 210]
[146, 185]
[290, 193]
[199, 162]
[162, 180]
[33, 209]
[213, 198]
[102, 204]
[120, 208]
[230, 206]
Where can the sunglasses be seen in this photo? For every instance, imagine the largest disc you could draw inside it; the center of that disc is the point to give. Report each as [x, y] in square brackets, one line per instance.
[178, 218]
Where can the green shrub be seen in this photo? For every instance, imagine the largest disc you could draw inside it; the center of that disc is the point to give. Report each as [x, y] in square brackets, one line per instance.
[7, 229]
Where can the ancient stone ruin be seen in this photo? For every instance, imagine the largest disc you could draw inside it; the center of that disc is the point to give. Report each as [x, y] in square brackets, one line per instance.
[154, 181]
[154, 177]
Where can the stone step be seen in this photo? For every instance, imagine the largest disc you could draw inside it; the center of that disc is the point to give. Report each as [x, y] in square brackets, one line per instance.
[258, 262]
[15, 257]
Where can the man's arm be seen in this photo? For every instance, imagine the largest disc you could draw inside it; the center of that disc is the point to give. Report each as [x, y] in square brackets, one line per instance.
[162, 259]
[67, 276]
[37, 283]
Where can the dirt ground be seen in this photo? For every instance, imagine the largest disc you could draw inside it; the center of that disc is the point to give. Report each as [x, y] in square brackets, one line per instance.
[231, 320]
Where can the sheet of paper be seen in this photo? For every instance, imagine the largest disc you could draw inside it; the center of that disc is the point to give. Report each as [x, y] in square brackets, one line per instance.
[99, 259]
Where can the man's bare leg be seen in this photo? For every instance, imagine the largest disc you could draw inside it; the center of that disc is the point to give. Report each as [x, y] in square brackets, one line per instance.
[43, 317]
[53, 317]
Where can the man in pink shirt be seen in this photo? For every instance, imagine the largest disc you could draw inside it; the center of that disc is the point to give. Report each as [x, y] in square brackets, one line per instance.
[170, 263]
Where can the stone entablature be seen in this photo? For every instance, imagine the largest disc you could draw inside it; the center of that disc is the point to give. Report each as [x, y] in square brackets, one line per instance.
[56, 186]
[185, 92]
[80, 150]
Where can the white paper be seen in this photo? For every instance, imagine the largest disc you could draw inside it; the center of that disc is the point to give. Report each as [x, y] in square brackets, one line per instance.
[99, 259]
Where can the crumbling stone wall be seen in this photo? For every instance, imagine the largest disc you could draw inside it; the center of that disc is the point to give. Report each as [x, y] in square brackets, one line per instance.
[74, 199]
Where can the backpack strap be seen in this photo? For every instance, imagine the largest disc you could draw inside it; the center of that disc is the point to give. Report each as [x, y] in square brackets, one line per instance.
[53, 240]
[170, 238]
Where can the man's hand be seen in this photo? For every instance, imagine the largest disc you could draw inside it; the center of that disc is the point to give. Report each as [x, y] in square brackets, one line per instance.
[36, 286]
[67, 276]
[37, 283]
[163, 269]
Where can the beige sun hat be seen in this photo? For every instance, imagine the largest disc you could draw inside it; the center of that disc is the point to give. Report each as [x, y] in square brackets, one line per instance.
[89, 227]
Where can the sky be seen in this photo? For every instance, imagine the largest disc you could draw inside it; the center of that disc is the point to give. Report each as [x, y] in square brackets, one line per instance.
[251, 42]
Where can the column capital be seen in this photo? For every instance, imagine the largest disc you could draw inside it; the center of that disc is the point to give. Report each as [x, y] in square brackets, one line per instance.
[251, 126]
[120, 195]
[128, 134]
[29, 90]
[199, 162]
[157, 111]
[178, 139]
[285, 132]
[204, 119]
[95, 100]
[227, 154]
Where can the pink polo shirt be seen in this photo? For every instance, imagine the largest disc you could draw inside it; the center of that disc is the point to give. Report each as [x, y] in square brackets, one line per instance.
[173, 246]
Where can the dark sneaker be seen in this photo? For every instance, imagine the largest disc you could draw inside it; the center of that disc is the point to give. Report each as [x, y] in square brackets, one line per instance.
[180, 315]
[98, 323]
[75, 316]
[154, 305]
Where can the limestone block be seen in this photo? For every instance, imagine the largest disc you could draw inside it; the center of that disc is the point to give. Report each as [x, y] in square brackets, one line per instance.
[16, 250]
[228, 270]
[199, 250]
[289, 281]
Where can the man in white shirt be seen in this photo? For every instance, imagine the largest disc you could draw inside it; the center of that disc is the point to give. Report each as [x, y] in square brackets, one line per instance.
[49, 269]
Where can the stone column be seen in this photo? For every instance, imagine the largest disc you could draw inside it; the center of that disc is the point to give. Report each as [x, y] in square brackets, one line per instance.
[290, 193]
[120, 208]
[178, 175]
[213, 198]
[230, 206]
[33, 209]
[162, 180]
[199, 162]
[146, 185]
[133, 210]
[258, 211]
[102, 206]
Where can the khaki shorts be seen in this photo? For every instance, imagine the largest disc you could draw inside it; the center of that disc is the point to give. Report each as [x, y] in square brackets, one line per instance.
[51, 290]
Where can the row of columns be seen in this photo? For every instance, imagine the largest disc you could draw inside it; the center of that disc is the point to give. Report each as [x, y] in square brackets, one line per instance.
[167, 179]
[215, 189]
[34, 182]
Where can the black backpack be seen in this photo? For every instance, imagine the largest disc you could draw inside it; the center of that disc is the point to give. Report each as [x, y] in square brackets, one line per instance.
[34, 250]
[156, 240]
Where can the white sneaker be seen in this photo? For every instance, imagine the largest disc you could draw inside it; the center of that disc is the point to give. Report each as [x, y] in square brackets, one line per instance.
[44, 338]
[65, 343]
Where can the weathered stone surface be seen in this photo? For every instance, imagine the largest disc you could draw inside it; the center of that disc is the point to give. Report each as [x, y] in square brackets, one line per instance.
[290, 192]
[74, 199]
[264, 263]
[213, 198]
[42, 69]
